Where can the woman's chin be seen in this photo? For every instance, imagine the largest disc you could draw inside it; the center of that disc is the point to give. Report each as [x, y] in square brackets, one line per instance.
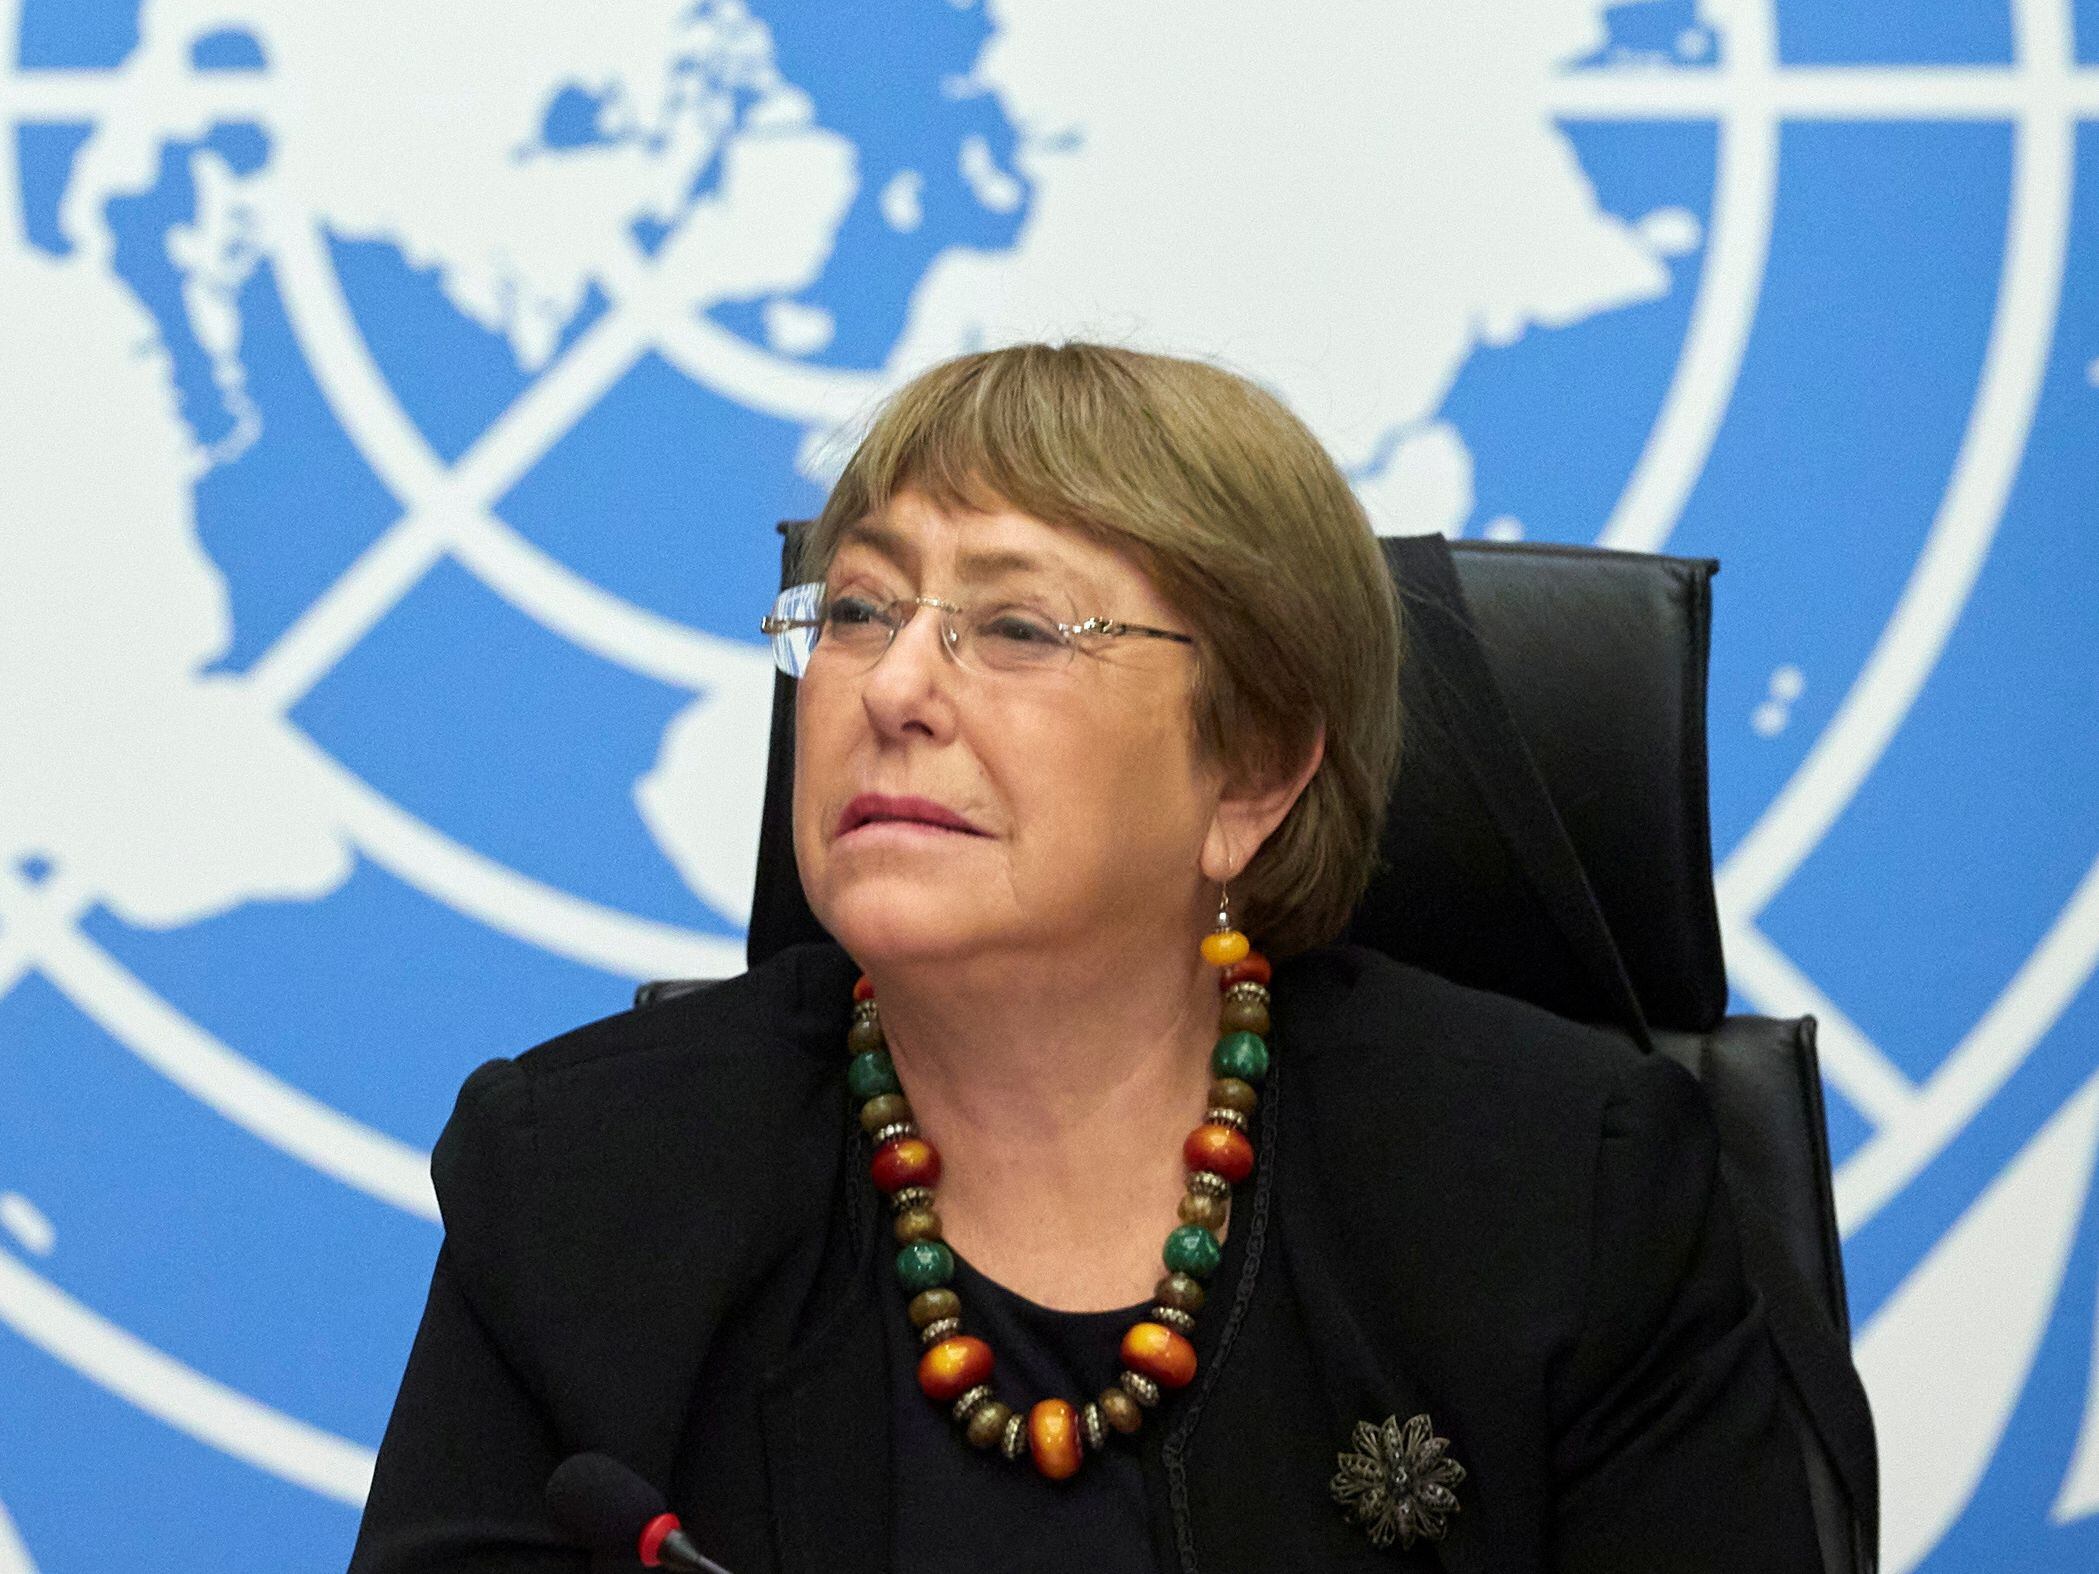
[900, 920]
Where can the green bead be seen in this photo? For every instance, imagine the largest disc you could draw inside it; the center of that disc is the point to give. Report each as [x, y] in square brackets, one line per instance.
[1191, 1249]
[871, 1075]
[1241, 1055]
[925, 1265]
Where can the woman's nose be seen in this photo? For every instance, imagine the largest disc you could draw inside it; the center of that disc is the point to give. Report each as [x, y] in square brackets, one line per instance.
[907, 683]
[923, 621]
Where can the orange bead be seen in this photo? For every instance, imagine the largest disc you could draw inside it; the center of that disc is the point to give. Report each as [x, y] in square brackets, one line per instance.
[1159, 1353]
[1251, 968]
[953, 1367]
[863, 988]
[1223, 947]
[1221, 1151]
[1053, 1438]
[908, 1161]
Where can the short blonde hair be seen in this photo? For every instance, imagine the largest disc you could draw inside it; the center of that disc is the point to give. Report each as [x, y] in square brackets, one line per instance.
[1244, 525]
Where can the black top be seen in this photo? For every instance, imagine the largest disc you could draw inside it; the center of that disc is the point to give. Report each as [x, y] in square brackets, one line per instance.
[661, 1244]
[952, 1502]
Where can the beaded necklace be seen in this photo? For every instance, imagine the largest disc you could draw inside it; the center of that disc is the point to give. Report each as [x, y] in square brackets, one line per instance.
[1157, 1354]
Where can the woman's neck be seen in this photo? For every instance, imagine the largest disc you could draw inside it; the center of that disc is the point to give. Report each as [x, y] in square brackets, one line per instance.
[1058, 1097]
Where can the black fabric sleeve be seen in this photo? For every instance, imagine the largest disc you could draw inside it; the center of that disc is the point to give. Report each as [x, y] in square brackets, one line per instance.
[1674, 1451]
[463, 1468]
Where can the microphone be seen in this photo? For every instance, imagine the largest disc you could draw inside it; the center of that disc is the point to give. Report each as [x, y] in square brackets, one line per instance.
[597, 1500]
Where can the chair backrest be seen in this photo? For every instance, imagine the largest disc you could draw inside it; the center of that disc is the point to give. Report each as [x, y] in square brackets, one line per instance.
[1548, 839]
[1598, 659]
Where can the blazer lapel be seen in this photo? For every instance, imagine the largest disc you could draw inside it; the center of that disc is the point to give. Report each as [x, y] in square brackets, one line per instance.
[1247, 1468]
[1357, 1384]
[1360, 1378]
[828, 1444]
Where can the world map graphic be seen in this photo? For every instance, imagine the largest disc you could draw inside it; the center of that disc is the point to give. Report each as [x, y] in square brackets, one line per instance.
[400, 399]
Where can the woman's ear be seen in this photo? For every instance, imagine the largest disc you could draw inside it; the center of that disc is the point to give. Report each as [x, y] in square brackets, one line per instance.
[1249, 811]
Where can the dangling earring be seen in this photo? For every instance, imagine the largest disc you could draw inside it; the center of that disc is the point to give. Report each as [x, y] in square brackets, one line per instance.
[1224, 945]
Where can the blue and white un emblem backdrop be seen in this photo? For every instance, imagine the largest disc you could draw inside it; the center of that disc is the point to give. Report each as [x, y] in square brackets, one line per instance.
[396, 400]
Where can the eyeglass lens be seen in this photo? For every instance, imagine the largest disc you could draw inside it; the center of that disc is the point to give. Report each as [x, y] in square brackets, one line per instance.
[1002, 636]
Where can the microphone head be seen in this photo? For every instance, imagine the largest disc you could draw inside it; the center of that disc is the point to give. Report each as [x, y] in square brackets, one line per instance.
[599, 1501]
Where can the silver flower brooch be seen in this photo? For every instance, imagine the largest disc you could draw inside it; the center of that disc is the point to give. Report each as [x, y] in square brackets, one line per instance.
[1398, 1482]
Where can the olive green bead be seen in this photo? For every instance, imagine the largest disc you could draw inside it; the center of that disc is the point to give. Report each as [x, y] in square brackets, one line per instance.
[1242, 1056]
[885, 1109]
[1181, 1292]
[863, 1036]
[1226, 1093]
[932, 1306]
[872, 1074]
[987, 1423]
[1243, 1016]
[1191, 1249]
[1120, 1411]
[917, 1224]
[1199, 1207]
[924, 1265]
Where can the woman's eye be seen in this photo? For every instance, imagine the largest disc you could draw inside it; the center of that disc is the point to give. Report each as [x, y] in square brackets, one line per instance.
[851, 611]
[1013, 625]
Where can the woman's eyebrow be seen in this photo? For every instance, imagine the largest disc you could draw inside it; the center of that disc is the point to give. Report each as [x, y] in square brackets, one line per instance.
[879, 539]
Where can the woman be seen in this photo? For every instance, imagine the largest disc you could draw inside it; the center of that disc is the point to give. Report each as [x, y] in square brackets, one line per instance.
[859, 1255]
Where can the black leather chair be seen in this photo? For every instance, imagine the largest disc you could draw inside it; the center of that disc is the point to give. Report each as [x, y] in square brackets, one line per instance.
[1548, 839]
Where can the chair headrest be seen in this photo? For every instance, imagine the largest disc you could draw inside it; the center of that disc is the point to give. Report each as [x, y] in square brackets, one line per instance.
[1601, 657]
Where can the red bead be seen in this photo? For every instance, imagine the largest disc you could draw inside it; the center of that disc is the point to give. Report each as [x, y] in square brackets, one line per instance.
[1251, 968]
[1220, 1150]
[1159, 1353]
[908, 1161]
[953, 1367]
[863, 988]
[1053, 1438]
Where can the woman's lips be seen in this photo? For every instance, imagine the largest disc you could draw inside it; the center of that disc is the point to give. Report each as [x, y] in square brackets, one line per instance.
[923, 814]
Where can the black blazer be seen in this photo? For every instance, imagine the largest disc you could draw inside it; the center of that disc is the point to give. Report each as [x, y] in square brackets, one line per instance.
[661, 1243]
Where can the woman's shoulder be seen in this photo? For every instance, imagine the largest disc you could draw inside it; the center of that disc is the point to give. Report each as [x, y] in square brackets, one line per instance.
[1501, 1142]
[724, 1067]
[639, 1159]
[1381, 1048]
[1360, 1011]
[783, 1006]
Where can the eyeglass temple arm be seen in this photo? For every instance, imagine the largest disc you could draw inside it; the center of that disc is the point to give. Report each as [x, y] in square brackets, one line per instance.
[1105, 626]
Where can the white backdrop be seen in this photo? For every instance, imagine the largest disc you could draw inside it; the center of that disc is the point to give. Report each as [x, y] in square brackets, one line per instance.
[396, 399]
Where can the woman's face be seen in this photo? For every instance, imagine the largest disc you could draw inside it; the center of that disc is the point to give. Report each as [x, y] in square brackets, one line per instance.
[1084, 802]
